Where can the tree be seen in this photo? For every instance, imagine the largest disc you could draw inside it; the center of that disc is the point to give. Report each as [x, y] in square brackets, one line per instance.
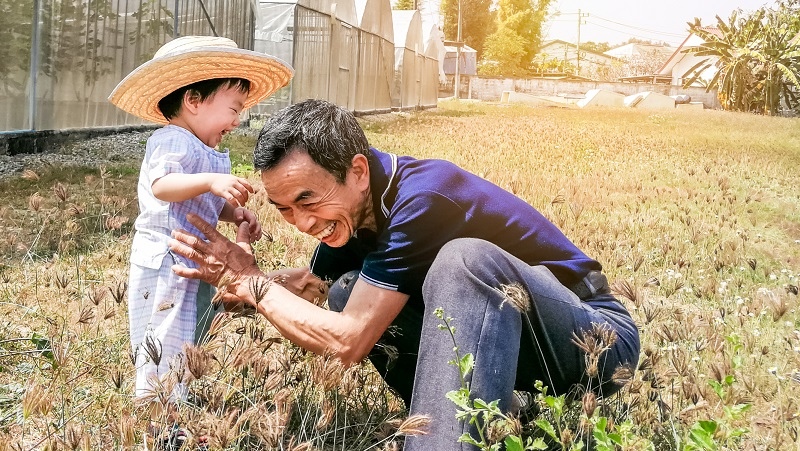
[505, 49]
[404, 5]
[596, 47]
[476, 22]
[755, 59]
[512, 48]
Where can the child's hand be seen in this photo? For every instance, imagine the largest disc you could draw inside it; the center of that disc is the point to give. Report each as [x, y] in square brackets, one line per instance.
[241, 215]
[235, 190]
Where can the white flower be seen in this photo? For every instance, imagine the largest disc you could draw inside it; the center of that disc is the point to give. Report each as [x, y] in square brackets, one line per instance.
[773, 370]
[756, 333]
[773, 277]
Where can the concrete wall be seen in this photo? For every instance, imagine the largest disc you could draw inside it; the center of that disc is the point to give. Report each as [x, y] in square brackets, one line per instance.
[491, 89]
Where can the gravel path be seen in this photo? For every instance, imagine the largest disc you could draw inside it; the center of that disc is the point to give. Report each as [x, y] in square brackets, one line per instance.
[112, 149]
[125, 147]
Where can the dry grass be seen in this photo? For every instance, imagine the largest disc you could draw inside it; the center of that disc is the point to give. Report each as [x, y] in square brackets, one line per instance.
[695, 217]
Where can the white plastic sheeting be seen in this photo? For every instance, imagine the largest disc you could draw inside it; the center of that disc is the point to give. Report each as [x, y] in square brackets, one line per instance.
[322, 39]
[65, 56]
[375, 72]
[433, 69]
[409, 60]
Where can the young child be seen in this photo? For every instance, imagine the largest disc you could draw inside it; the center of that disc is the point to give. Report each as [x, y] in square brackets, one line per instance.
[198, 86]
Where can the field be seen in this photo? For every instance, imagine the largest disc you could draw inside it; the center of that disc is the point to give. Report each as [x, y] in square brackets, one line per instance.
[695, 217]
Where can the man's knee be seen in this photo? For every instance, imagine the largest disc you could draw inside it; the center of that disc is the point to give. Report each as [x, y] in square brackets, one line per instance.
[340, 291]
[463, 254]
[459, 259]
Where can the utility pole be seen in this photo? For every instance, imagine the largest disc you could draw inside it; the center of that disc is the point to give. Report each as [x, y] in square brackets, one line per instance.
[578, 45]
[458, 54]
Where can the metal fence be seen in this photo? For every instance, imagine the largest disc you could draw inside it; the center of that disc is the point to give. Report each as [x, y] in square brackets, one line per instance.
[60, 59]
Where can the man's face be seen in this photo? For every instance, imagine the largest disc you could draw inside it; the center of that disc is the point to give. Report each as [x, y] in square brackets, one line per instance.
[311, 199]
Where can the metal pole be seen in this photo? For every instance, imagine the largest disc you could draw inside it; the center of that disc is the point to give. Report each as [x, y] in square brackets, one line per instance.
[175, 32]
[578, 45]
[458, 54]
[34, 66]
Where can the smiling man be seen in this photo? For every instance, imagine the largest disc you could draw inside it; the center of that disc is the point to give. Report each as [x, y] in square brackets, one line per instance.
[399, 238]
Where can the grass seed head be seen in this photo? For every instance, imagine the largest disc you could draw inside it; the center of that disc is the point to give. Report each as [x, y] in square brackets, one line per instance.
[414, 425]
[35, 202]
[198, 360]
[516, 295]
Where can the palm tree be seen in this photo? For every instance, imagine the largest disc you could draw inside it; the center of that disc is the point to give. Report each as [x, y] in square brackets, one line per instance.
[756, 59]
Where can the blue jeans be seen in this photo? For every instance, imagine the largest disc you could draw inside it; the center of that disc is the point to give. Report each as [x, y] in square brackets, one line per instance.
[512, 350]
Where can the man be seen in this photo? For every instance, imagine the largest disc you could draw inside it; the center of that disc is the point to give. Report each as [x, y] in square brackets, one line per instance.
[399, 238]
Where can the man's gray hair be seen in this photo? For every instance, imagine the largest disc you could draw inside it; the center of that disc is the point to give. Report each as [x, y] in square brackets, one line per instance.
[328, 133]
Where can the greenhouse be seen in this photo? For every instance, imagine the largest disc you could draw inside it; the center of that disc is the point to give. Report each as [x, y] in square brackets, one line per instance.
[320, 40]
[411, 72]
[62, 58]
[375, 74]
[433, 65]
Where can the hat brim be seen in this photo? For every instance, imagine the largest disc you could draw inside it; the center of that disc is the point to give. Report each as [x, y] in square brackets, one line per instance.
[141, 90]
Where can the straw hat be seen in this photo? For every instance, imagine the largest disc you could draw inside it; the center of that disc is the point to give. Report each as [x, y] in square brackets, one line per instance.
[190, 59]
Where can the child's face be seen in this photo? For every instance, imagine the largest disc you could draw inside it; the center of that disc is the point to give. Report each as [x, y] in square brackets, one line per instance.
[218, 115]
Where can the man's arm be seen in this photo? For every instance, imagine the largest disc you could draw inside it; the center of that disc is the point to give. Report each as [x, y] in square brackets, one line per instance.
[302, 283]
[348, 335]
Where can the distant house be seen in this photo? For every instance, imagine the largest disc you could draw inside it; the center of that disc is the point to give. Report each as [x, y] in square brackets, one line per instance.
[637, 50]
[680, 62]
[640, 61]
[590, 63]
[469, 60]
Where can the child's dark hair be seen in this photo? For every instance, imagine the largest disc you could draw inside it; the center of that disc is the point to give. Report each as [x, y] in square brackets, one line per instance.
[171, 104]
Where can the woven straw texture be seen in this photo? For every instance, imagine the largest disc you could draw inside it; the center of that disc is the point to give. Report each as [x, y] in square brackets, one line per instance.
[185, 63]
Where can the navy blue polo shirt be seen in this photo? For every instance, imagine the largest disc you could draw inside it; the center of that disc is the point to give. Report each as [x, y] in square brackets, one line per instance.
[422, 204]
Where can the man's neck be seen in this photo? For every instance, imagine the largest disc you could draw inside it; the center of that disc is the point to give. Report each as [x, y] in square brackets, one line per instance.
[369, 214]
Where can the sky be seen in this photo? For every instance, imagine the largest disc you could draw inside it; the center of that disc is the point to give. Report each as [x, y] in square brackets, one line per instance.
[616, 21]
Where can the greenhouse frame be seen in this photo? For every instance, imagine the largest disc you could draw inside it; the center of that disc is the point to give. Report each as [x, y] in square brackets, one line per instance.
[62, 58]
[375, 56]
[412, 69]
[320, 40]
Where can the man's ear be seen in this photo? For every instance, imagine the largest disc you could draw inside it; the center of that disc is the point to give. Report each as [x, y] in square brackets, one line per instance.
[360, 169]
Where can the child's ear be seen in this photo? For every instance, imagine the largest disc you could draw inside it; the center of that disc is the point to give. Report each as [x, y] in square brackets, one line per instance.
[191, 100]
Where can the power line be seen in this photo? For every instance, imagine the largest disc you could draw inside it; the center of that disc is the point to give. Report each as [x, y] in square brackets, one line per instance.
[638, 28]
[623, 32]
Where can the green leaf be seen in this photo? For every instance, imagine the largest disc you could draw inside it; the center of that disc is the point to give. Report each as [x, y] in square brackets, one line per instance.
[466, 438]
[539, 443]
[702, 435]
[547, 428]
[466, 364]
[513, 443]
[459, 397]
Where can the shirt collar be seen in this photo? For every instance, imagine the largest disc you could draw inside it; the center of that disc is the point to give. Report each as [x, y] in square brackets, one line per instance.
[382, 173]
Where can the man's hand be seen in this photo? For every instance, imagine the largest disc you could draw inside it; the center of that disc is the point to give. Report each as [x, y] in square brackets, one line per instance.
[222, 263]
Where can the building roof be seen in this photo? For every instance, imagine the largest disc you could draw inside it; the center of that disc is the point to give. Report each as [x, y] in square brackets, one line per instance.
[678, 54]
[637, 49]
[571, 44]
